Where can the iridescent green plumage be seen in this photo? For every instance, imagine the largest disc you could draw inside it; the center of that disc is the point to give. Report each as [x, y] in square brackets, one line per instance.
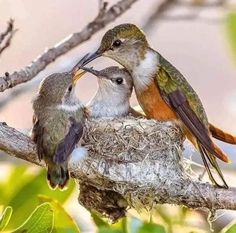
[169, 79]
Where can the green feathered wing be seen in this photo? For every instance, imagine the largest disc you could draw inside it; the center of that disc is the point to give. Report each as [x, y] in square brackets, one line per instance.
[181, 97]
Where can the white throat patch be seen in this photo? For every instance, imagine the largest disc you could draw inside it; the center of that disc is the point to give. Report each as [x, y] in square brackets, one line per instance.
[144, 72]
[70, 108]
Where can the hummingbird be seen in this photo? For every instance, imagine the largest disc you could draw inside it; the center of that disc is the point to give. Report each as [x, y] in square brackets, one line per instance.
[115, 81]
[163, 92]
[58, 122]
[112, 98]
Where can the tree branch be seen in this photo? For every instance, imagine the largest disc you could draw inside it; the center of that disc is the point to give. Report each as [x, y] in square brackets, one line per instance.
[6, 37]
[131, 162]
[161, 9]
[165, 7]
[15, 93]
[103, 18]
[17, 144]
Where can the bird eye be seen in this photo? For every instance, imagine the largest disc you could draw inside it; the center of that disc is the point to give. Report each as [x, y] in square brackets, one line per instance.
[116, 43]
[70, 88]
[119, 81]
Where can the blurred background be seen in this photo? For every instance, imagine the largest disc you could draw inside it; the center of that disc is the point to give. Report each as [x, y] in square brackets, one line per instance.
[197, 36]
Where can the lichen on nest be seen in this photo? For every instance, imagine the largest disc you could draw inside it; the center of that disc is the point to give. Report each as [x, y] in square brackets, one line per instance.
[132, 157]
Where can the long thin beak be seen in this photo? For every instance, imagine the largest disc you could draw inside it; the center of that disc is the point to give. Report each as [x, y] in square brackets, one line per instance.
[99, 74]
[91, 58]
[91, 70]
[77, 75]
[79, 63]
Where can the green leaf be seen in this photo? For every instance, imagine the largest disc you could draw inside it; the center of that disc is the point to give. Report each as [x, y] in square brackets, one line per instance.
[4, 220]
[99, 222]
[231, 30]
[105, 227]
[41, 220]
[25, 199]
[63, 222]
[16, 173]
[124, 225]
[121, 225]
[109, 230]
[231, 228]
[151, 228]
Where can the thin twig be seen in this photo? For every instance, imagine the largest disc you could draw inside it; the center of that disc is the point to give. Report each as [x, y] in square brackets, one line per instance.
[203, 4]
[7, 31]
[162, 10]
[6, 37]
[15, 93]
[191, 17]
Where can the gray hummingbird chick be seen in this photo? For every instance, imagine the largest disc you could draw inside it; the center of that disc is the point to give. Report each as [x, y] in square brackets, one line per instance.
[112, 98]
[57, 124]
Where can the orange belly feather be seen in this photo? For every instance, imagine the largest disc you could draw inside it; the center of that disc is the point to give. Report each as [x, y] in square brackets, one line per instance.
[155, 107]
[153, 104]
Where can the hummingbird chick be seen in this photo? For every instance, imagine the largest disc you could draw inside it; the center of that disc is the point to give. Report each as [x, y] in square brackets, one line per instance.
[112, 98]
[57, 124]
[114, 91]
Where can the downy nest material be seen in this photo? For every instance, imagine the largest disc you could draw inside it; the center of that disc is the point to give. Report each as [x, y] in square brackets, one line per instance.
[131, 163]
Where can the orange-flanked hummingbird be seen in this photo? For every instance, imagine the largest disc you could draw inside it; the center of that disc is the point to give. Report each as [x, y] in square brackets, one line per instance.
[163, 92]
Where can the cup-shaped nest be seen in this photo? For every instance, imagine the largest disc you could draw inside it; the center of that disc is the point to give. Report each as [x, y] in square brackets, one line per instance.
[129, 159]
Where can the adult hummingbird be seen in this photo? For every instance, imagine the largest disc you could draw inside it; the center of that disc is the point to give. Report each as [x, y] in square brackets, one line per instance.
[163, 92]
[112, 98]
[57, 124]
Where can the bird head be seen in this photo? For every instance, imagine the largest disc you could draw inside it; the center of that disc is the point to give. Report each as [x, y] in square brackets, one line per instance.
[113, 80]
[57, 88]
[125, 43]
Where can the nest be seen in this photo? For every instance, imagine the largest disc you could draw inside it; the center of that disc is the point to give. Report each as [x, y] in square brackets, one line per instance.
[131, 162]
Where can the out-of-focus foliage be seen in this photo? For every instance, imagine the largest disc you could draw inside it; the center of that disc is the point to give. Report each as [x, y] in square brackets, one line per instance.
[151, 228]
[231, 228]
[41, 220]
[62, 220]
[144, 225]
[100, 223]
[47, 217]
[21, 190]
[5, 218]
[231, 30]
[125, 225]
[31, 206]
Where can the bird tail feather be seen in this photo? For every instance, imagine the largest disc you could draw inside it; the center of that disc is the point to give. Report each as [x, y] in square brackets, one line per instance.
[221, 154]
[210, 160]
[58, 175]
[222, 135]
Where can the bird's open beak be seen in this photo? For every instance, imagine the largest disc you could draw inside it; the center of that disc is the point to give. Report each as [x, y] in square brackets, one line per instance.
[77, 69]
[77, 75]
[79, 63]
